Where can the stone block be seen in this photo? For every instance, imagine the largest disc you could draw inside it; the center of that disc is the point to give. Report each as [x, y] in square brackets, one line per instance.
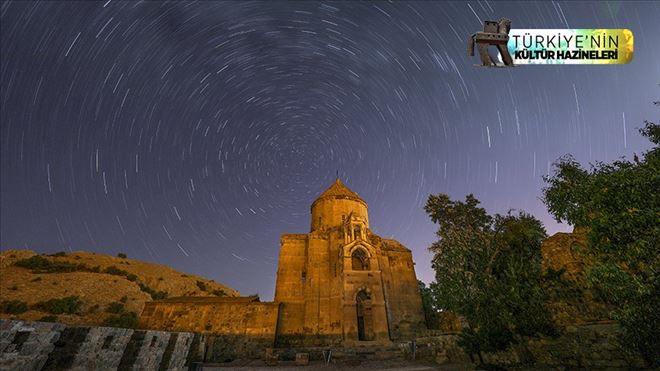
[37, 346]
[270, 360]
[302, 359]
[441, 357]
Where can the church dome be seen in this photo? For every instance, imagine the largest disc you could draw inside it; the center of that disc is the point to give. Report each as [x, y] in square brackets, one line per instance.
[335, 204]
[339, 190]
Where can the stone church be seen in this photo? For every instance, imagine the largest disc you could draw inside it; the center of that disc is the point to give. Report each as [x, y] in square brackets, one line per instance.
[338, 285]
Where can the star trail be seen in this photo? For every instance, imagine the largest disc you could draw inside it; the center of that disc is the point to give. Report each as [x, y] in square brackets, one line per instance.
[193, 134]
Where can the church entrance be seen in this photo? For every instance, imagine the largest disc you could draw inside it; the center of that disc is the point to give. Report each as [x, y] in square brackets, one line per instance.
[364, 319]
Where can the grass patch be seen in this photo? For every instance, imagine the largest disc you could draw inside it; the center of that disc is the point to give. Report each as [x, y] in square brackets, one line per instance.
[219, 292]
[66, 305]
[115, 308]
[123, 320]
[13, 306]
[155, 295]
[39, 264]
[115, 271]
[201, 285]
[48, 318]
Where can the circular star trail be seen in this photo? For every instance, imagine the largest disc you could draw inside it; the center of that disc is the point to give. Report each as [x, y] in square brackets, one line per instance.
[194, 134]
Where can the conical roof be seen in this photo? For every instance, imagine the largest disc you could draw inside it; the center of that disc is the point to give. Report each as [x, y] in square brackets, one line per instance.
[339, 190]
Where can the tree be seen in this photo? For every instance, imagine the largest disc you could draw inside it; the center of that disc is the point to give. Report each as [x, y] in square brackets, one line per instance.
[428, 304]
[488, 271]
[619, 206]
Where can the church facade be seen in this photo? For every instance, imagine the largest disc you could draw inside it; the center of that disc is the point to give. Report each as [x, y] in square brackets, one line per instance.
[340, 284]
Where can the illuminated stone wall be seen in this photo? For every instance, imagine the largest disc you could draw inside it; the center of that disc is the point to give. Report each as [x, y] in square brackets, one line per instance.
[223, 315]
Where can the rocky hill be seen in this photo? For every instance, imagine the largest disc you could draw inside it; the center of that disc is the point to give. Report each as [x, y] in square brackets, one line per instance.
[91, 289]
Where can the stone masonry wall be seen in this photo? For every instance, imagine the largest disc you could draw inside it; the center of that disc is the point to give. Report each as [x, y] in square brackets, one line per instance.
[27, 345]
[570, 300]
[404, 303]
[240, 327]
[241, 316]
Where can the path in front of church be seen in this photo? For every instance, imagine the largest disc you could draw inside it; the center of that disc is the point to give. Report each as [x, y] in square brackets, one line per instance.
[389, 365]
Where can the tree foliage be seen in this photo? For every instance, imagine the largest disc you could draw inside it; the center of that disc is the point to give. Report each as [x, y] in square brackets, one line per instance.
[429, 306]
[488, 271]
[619, 206]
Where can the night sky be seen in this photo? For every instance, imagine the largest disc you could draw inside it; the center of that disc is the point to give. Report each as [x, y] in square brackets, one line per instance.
[194, 134]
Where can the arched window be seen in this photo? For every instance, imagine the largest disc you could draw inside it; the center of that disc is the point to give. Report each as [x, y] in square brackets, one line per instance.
[357, 232]
[360, 260]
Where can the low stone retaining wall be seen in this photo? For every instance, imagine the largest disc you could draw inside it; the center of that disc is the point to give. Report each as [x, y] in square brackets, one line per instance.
[592, 347]
[27, 345]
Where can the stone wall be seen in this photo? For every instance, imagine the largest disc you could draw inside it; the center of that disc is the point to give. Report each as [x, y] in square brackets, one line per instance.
[223, 316]
[289, 289]
[27, 345]
[404, 303]
[240, 327]
[590, 346]
[570, 300]
[327, 212]
[563, 251]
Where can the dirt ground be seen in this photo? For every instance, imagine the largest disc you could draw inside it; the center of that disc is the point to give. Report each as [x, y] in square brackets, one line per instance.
[390, 365]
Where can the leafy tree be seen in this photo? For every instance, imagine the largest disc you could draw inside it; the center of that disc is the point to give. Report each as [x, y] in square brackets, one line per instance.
[488, 270]
[618, 204]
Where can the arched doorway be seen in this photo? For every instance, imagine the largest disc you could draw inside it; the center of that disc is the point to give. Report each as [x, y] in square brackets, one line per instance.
[364, 319]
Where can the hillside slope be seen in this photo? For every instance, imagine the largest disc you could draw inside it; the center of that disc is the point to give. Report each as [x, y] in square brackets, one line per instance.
[104, 287]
